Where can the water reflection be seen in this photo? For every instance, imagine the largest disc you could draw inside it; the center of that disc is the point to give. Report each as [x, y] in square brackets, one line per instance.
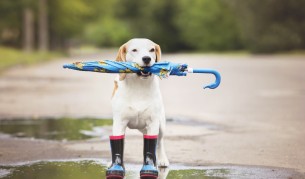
[95, 169]
[57, 170]
[53, 129]
[87, 169]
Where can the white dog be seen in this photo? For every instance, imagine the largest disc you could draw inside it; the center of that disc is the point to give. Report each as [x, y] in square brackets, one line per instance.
[137, 101]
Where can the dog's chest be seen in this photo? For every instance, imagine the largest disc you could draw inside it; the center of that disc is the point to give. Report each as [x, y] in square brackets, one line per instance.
[138, 118]
[139, 108]
[138, 103]
[136, 112]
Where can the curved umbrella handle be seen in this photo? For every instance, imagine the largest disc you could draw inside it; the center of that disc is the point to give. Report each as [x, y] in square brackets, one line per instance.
[215, 73]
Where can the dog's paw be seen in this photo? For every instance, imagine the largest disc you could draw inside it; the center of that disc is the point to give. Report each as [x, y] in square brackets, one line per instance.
[163, 172]
[109, 164]
[163, 162]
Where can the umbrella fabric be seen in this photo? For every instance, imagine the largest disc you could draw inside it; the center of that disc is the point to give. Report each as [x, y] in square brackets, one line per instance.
[161, 69]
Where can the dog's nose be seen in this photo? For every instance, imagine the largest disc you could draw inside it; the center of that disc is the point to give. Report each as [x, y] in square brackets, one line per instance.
[146, 60]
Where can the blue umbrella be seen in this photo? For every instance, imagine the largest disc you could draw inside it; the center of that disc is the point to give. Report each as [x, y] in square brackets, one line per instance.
[161, 69]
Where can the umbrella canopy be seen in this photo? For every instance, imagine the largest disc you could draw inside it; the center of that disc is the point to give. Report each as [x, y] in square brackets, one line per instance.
[161, 69]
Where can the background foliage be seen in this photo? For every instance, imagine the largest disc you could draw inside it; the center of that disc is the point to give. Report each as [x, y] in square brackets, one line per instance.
[177, 25]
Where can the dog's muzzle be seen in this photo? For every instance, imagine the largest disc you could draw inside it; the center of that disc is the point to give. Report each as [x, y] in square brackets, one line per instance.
[146, 60]
[144, 74]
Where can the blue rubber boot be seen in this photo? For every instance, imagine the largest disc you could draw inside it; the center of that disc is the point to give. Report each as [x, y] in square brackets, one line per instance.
[149, 169]
[117, 169]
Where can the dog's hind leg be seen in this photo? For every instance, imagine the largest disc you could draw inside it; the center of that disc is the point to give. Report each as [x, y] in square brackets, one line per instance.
[149, 168]
[162, 160]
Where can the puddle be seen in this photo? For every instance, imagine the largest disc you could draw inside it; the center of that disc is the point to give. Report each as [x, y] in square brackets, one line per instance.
[55, 170]
[52, 129]
[71, 129]
[95, 169]
[192, 122]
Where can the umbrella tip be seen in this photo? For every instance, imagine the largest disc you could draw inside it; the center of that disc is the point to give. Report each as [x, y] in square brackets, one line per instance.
[211, 86]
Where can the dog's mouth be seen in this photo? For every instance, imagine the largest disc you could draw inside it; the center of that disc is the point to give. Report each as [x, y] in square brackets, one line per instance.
[144, 74]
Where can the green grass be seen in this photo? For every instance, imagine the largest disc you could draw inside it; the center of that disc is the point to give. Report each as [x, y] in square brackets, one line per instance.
[10, 57]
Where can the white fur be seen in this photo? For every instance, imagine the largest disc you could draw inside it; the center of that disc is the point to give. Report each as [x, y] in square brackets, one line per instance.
[137, 102]
[142, 47]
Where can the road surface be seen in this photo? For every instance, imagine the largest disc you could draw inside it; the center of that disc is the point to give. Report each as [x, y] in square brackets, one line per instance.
[255, 117]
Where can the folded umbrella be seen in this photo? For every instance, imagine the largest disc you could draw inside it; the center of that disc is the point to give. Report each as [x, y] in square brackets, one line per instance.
[161, 69]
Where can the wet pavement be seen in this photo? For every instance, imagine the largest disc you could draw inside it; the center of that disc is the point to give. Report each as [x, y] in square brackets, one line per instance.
[252, 123]
[95, 169]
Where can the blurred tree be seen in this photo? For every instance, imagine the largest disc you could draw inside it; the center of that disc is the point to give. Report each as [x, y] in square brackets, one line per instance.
[208, 25]
[153, 20]
[28, 27]
[11, 23]
[205, 25]
[104, 28]
[271, 25]
[67, 21]
[162, 26]
[107, 31]
[43, 24]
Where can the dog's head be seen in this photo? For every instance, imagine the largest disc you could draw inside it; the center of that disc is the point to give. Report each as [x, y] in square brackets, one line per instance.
[142, 51]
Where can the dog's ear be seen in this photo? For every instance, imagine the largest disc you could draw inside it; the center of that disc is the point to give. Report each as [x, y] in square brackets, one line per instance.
[158, 52]
[121, 57]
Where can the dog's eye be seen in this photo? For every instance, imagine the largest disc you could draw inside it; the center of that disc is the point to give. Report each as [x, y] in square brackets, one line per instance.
[152, 50]
[134, 50]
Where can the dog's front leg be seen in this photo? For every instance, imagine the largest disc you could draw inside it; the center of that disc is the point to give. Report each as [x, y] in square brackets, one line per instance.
[117, 169]
[119, 126]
